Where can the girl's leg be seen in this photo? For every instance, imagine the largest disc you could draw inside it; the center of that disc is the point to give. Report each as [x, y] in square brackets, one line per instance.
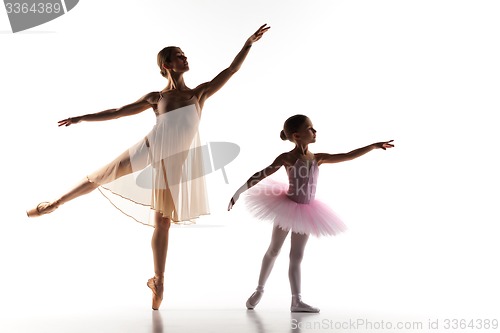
[277, 239]
[159, 244]
[297, 248]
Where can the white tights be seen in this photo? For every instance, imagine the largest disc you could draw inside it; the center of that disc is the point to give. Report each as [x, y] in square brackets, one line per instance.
[298, 245]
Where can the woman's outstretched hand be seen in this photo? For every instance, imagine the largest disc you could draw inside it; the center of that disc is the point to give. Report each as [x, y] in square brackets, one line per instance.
[258, 34]
[69, 121]
[384, 145]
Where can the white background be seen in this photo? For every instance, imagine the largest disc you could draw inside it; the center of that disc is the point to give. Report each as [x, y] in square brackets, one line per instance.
[423, 217]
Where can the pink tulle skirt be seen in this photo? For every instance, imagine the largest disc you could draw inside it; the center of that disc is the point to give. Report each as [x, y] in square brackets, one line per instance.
[268, 201]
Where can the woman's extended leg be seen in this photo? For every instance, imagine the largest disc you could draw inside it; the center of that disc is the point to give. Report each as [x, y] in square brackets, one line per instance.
[119, 167]
[159, 244]
[297, 248]
[84, 187]
[277, 239]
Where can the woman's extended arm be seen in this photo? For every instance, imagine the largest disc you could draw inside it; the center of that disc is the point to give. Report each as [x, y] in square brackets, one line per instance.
[140, 105]
[335, 158]
[257, 177]
[209, 88]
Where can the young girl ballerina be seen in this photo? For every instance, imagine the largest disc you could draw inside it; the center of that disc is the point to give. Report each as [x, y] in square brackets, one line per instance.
[162, 172]
[293, 207]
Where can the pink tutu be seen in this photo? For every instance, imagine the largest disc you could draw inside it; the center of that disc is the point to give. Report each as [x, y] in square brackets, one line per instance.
[269, 200]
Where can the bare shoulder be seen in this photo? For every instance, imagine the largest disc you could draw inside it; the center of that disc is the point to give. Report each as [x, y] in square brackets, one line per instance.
[320, 157]
[201, 87]
[287, 159]
[200, 91]
[151, 98]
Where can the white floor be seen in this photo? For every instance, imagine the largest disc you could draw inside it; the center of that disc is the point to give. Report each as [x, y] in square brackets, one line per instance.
[136, 320]
[163, 321]
[77, 274]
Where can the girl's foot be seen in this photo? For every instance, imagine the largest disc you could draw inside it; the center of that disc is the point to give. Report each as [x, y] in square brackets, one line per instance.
[299, 306]
[254, 299]
[156, 285]
[43, 208]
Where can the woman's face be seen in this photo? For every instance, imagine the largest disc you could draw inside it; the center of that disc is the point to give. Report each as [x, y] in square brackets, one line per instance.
[178, 62]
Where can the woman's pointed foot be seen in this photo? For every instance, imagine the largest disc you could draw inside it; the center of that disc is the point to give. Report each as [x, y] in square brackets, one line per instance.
[43, 208]
[156, 285]
[299, 306]
[254, 299]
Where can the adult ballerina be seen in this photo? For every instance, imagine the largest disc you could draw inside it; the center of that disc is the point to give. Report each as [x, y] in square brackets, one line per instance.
[167, 149]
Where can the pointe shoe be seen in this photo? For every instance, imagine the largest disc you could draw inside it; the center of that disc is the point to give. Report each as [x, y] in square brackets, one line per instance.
[157, 288]
[254, 299]
[43, 208]
[299, 306]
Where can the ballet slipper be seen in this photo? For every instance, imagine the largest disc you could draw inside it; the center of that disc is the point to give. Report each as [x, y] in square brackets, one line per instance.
[299, 306]
[254, 299]
[157, 287]
[43, 208]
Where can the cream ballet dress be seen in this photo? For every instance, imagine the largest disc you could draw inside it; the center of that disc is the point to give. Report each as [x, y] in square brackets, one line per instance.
[164, 172]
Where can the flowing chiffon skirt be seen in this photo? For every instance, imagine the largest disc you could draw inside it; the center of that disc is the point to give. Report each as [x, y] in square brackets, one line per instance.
[163, 173]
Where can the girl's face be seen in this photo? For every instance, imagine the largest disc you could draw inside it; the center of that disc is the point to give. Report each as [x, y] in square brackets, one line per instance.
[306, 133]
[178, 62]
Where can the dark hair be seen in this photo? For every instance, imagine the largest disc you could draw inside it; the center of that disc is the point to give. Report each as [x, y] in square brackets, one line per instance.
[292, 125]
[165, 56]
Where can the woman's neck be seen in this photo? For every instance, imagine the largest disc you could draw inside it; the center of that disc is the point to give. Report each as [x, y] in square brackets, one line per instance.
[176, 82]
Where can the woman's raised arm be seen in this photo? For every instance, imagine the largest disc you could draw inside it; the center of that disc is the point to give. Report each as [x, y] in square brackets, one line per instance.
[209, 88]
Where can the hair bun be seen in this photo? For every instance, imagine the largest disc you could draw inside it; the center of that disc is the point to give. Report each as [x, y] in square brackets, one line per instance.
[283, 135]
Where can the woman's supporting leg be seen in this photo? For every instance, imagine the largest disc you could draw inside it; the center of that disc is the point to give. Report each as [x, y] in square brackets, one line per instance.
[277, 239]
[159, 244]
[297, 248]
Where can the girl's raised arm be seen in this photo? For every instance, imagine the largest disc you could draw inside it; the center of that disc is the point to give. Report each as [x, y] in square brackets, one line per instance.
[257, 177]
[209, 88]
[142, 104]
[336, 158]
